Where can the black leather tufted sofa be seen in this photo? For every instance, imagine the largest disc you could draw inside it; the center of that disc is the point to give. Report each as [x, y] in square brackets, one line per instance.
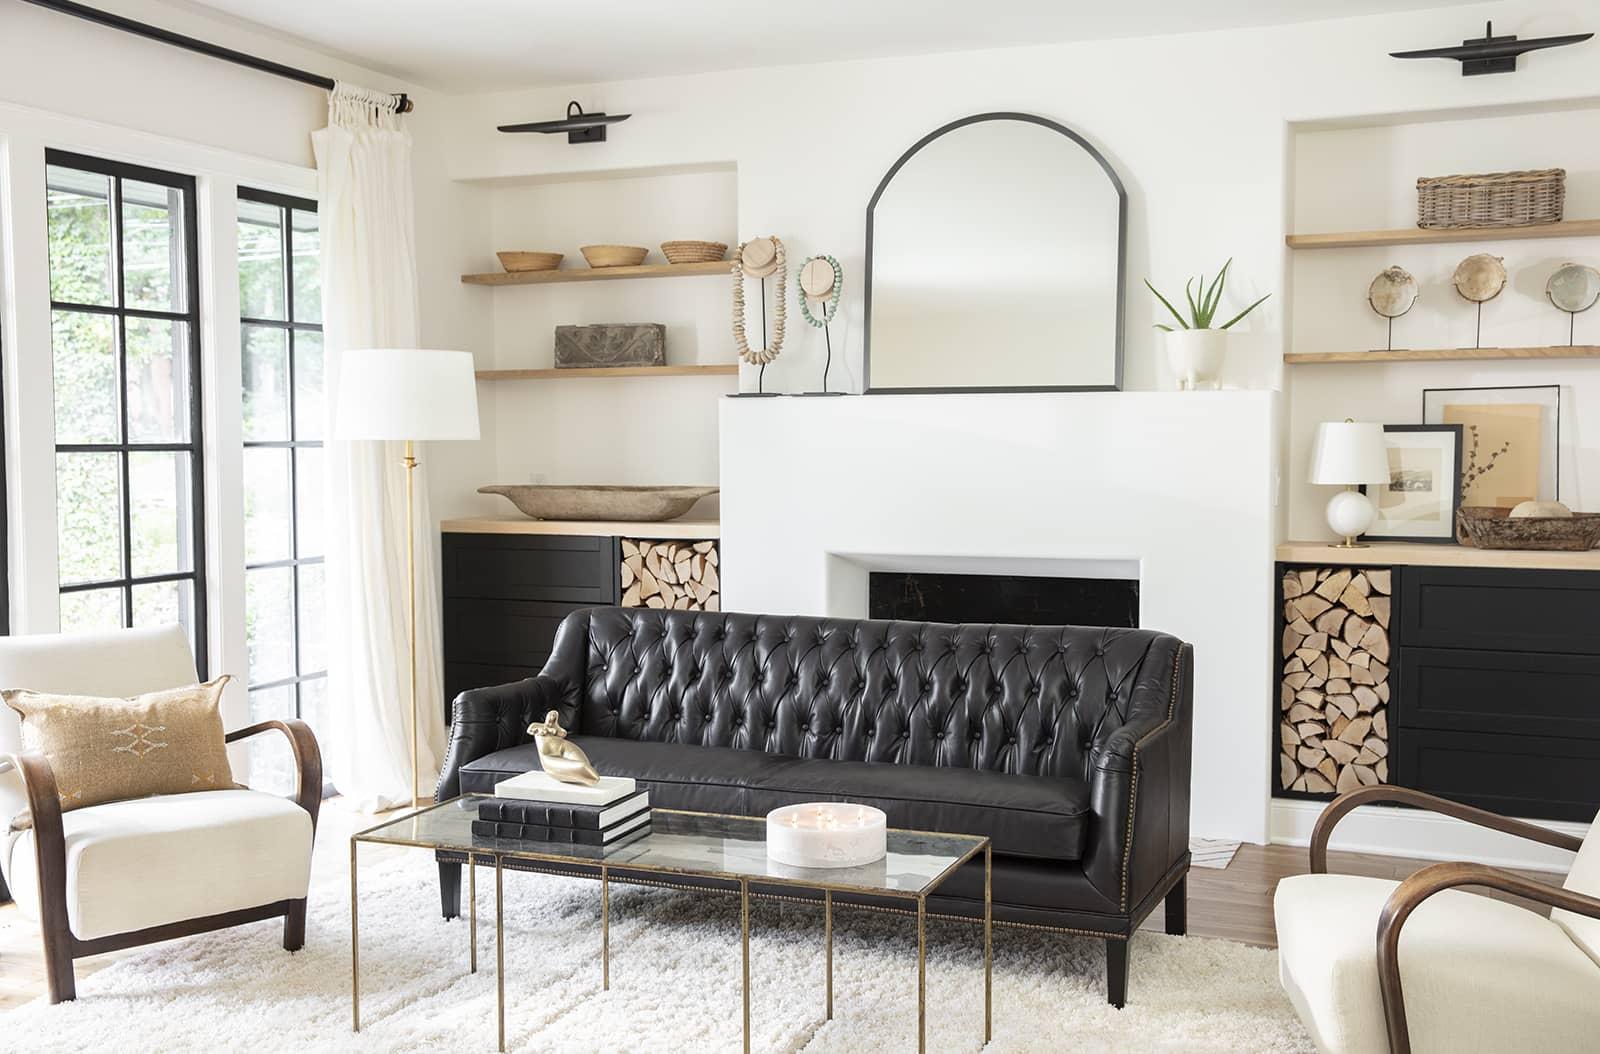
[1068, 746]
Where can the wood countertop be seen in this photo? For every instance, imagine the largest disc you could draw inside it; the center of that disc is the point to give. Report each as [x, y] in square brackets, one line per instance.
[1423, 554]
[686, 527]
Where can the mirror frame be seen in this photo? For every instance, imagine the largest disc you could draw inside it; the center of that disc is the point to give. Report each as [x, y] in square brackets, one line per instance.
[1122, 255]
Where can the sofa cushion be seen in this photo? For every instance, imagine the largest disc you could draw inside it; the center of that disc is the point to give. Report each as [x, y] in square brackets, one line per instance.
[150, 861]
[1035, 816]
[1477, 974]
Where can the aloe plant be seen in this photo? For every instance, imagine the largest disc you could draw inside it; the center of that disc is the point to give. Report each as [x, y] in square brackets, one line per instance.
[1202, 311]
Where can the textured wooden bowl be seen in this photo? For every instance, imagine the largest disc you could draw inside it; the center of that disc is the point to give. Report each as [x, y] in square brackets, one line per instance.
[614, 255]
[633, 504]
[528, 261]
[1493, 528]
[681, 252]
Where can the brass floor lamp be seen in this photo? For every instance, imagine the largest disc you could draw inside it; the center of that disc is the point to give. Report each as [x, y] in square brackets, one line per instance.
[409, 395]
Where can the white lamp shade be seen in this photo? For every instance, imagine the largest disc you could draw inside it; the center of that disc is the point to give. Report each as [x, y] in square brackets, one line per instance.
[406, 393]
[1348, 453]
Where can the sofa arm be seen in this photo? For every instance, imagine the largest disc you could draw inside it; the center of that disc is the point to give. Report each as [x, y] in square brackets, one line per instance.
[489, 719]
[1139, 782]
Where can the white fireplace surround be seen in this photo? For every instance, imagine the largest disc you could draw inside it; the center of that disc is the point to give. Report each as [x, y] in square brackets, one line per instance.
[1174, 489]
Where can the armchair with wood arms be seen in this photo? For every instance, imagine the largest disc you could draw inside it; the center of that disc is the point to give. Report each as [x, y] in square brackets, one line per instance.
[133, 872]
[1373, 965]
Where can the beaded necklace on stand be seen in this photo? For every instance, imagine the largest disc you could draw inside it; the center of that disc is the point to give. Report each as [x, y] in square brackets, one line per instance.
[759, 356]
[831, 307]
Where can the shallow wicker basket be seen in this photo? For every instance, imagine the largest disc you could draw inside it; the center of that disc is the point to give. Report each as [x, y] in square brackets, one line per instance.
[683, 252]
[1492, 199]
[614, 255]
[1493, 528]
[526, 261]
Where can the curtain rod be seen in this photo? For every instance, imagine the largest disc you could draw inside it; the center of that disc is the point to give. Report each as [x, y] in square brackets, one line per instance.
[216, 51]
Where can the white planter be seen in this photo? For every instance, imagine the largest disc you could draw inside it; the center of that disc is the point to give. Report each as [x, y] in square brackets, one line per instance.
[1196, 355]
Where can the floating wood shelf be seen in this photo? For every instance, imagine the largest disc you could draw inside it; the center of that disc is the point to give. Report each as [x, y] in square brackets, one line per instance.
[1384, 554]
[1434, 236]
[1560, 351]
[729, 369]
[599, 274]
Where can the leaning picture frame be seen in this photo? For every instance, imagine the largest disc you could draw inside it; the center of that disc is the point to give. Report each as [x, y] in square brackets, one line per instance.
[1420, 501]
[1511, 450]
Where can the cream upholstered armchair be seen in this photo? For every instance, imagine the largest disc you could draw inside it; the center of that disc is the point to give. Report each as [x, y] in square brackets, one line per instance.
[125, 873]
[1373, 965]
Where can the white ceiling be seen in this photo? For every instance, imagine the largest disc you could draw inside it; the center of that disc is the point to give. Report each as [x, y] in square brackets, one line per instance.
[486, 45]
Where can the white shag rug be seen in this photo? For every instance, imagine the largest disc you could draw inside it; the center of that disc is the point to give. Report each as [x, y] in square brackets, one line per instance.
[675, 970]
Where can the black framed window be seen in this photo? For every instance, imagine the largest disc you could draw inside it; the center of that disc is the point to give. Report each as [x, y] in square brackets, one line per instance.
[125, 337]
[280, 306]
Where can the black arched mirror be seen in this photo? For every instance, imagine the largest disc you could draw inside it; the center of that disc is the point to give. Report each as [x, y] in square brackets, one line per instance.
[994, 262]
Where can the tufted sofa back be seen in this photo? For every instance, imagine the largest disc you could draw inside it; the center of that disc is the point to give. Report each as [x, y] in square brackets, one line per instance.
[1032, 700]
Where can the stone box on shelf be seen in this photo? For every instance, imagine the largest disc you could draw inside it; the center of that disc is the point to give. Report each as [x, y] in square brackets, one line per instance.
[612, 344]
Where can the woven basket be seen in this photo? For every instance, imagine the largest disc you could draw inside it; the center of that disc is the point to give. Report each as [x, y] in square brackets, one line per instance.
[1492, 199]
[682, 252]
[614, 255]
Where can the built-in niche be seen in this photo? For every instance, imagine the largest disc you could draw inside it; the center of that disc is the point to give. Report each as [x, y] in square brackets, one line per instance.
[1029, 600]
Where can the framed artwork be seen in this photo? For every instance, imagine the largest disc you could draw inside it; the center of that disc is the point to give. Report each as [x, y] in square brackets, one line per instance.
[1510, 441]
[1419, 502]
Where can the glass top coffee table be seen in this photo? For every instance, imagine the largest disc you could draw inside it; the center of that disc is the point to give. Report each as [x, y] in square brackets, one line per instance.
[702, 846]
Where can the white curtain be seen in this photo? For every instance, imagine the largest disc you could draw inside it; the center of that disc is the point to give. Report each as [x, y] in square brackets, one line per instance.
[369, 298]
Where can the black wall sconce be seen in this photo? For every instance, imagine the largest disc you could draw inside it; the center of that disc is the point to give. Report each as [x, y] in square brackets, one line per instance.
[580, 127]
[1489, 53]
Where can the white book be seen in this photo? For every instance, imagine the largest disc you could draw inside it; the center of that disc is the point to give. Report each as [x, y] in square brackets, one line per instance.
[538, 786]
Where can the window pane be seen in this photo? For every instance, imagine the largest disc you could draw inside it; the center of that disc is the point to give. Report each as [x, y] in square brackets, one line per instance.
[158, 381]
[307, 267]
[160, 506]
[269, 623]
[153, 249]
[308, 500]
[260, 260]
[266, 504]
[84, 350]
[162, 603]
[79, 208]
[308, 406]
[266, 383]
[272, 767]
[314, 704]
[91, 610]
[89, 515]
[313, 648]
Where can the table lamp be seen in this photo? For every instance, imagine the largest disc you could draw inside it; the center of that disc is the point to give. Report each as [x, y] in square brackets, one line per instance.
[412, 395]
[1347, 454]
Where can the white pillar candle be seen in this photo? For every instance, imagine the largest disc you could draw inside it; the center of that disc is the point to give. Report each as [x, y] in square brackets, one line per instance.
[826, 834]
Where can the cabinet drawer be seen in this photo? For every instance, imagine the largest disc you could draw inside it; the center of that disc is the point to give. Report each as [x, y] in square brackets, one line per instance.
[577, 570]
[1521, 693]
[1534, 776]
[506, 632]
[1501, 610]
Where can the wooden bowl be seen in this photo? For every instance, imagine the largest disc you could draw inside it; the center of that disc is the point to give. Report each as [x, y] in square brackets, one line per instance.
[614, 255]
[1493, 528]
[693, 252]
[631, 504]
[526, 261]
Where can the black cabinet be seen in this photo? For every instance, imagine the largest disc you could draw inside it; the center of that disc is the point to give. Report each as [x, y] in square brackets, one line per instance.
[504, 595]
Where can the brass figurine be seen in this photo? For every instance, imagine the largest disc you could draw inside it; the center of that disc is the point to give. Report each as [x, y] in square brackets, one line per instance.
[561, 759]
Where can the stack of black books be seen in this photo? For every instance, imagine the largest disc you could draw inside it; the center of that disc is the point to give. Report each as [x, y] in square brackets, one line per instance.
[606, 823]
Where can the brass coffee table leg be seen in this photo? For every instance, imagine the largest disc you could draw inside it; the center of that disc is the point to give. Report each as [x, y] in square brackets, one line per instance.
[355, 953]
[922, 975]
[472, 915]
[744, 936]
[827, 929]
[988, 941]
[500, 950]
[605, 929]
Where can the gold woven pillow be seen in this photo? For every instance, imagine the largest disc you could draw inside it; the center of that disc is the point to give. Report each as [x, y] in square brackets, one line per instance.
[101, 750]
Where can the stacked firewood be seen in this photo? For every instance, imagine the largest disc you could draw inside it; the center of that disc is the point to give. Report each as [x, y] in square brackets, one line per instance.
[675, 576]
[1334, 694]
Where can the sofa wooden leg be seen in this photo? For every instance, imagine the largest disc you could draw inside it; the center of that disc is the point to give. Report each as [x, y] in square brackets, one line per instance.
[58, 970]
[1117, 972]
[1178, 908]
[294, 926]
[450, 889]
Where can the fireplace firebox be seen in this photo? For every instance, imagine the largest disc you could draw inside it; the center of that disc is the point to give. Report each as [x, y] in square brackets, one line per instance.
[1014, 599]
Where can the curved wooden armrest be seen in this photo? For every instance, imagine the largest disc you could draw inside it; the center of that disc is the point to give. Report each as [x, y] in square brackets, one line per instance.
[49, 840]
[1342, 805]
[307, 758]
[1410, 894]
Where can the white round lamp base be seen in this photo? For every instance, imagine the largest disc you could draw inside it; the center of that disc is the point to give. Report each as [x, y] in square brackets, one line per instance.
[827, 834]
[1350, 513]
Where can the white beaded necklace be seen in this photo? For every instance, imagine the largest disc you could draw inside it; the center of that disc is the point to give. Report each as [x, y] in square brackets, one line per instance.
[759, 356]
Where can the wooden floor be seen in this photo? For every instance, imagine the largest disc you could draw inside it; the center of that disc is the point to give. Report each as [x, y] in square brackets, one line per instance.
[1234, 903]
